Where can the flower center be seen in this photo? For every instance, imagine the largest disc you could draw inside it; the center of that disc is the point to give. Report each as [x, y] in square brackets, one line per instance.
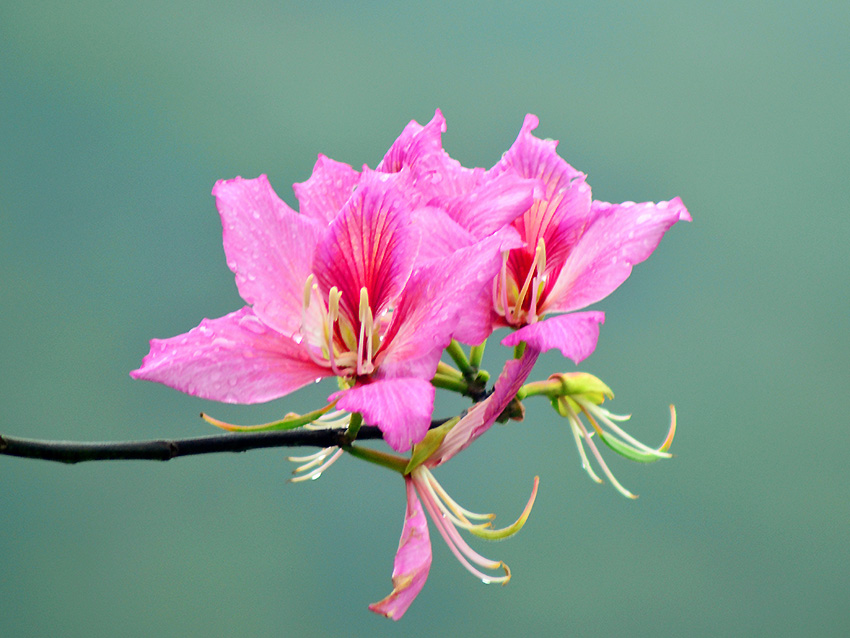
[348, 345]
[519, 304]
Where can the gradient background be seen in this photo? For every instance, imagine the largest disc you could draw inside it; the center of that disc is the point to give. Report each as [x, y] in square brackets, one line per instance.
[115, 121]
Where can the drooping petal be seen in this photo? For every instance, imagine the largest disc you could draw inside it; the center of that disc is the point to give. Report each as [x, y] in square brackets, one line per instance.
[482, 415]
[269, 247]
[370, 244]
[560, 215]
[412, 560]
[401, 408]
[618, 237]
[329, 187]
[234, 359]
[575, 335]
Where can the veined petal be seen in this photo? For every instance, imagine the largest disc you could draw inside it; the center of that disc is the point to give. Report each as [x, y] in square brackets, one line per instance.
[415, 144]
[269, 247]
[560, 215]
[492, 204]
[482, 415]
[371, 244]
[443, 299]
[443, 234]
[329, 187]
[575, 335]
[401, 408]
[234, 359]
[617, 237]
[412, 560]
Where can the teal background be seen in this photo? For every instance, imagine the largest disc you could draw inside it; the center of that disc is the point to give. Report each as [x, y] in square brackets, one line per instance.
[115, 121]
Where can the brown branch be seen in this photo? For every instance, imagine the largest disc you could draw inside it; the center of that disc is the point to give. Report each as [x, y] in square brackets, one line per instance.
[166, 449]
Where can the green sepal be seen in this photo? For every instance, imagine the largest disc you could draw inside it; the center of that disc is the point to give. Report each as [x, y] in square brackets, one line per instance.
[631, 453]
[423, 450]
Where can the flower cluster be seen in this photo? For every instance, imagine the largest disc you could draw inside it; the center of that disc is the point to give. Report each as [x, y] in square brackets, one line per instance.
[379, 273]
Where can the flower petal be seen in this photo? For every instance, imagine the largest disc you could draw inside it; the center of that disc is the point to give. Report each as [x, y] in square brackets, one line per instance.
[329, 187]
[416, 144]
[412, 560]
[575, 335]
[617, 237]
[401, 408]
[482, 415]
[560, 215]
[491, 204]
[443, 299]
[269, 247]
[370, 244]
[234, 359]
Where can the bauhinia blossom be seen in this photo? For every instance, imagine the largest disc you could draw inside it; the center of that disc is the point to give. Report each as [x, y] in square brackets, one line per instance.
[413, 558]
[575, 251]
[345, 299]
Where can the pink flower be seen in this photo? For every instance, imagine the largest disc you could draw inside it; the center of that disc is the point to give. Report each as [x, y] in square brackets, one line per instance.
[413, 558]
[576, 251]
[337, 296]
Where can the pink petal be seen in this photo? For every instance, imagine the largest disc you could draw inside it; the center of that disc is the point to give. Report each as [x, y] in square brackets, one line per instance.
[618, 236]
[491, 204]
[443, 234]
[412, 560]
[415, 144]
[482, 415]
[269, 247]
[442, 299]
[234, 359]
[329, 187]
[575, 334]
[370, 244]
[560, 215]
[401, 408]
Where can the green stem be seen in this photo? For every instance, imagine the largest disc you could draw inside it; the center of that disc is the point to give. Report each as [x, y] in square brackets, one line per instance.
[354, 426]
[389, 461]
[450, 383]
[476, 353]
[519, 350]
[459, 356]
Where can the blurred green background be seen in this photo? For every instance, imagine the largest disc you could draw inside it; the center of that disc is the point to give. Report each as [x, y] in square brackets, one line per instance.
[115, 121]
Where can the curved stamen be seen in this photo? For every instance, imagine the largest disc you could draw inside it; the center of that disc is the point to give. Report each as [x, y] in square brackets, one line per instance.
[533, 273]
[367, 321]
[333, 316]
[455, 543]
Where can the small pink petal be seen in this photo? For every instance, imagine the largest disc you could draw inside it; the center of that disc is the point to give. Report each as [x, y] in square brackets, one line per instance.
[234, 359]
[329, 187]
[412, 560]
[415, 144]
[575, 334]
[401, 408]
[370, 244]
[618, 237]
[269, 247]
[482, 415]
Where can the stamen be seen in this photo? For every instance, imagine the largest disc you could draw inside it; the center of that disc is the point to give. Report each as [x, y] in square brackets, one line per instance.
[539, 281]
[333, 316]
[312, 476]
[572, 418]
[305, 304]
[599, 458]
[367, 324]
[456, 544]
[539, 252]
[503, 287]
[603, 416]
